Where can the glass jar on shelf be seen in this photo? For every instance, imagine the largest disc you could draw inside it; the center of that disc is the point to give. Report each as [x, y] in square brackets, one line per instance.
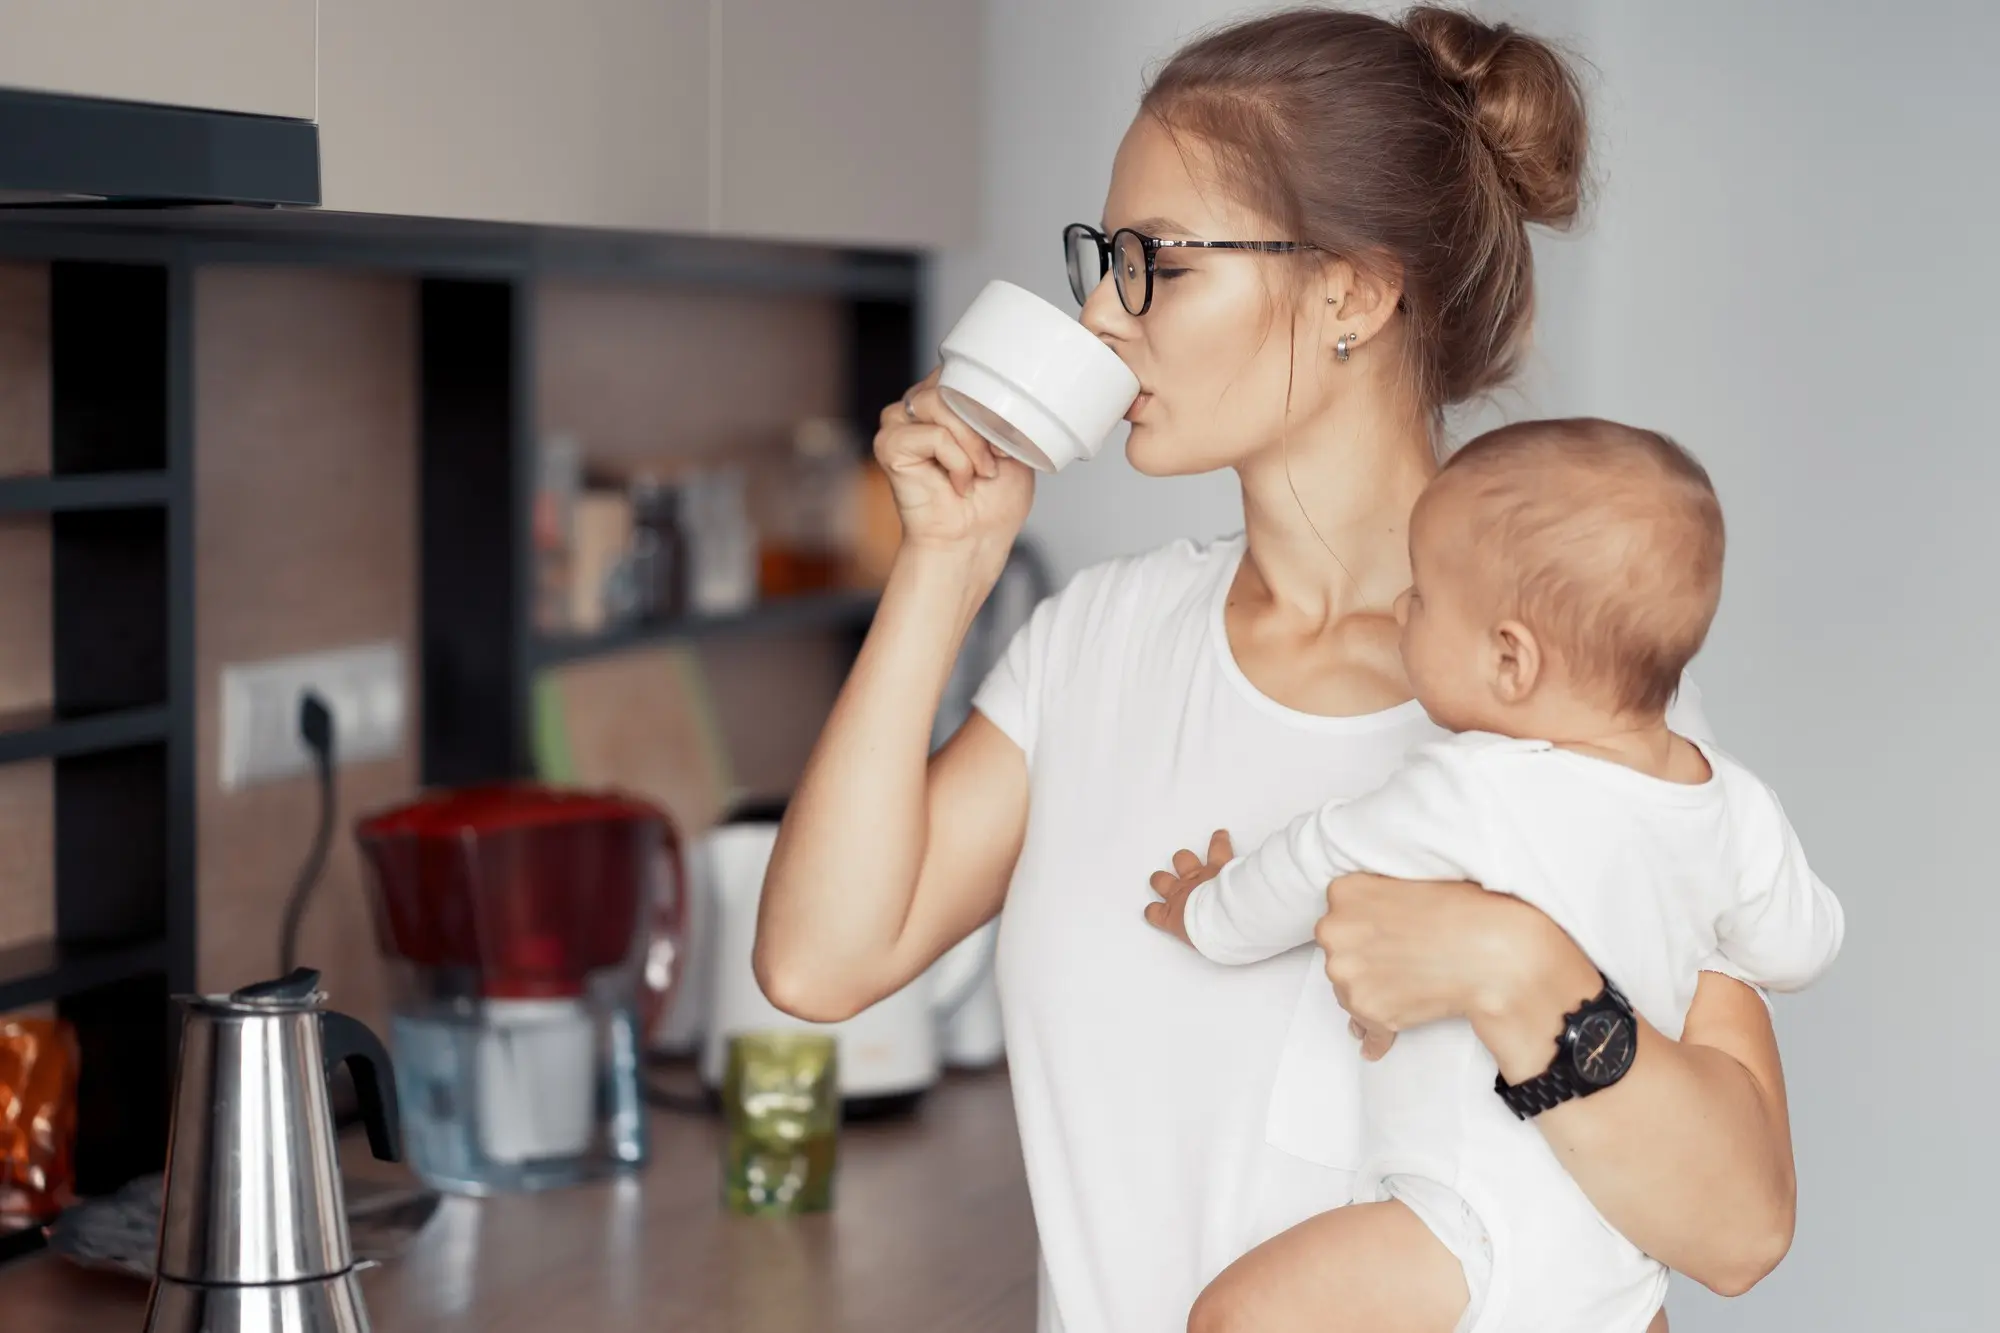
[659, 556]
[808, 535]
[721, 541]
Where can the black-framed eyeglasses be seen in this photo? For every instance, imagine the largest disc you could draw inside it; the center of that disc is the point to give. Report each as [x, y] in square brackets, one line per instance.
[1091, 254]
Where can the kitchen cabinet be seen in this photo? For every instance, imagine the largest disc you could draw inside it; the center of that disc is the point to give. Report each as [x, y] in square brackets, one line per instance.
[253, 56]
[586, 113]
[854, 122]
[857, 121]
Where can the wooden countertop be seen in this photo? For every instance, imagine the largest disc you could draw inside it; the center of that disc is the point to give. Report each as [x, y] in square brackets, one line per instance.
[930, 1230]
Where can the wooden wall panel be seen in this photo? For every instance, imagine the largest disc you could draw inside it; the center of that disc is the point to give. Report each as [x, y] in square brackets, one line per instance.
[27, 832]
[24, 368]
[306, 453]
[27, 853]
[640, 372]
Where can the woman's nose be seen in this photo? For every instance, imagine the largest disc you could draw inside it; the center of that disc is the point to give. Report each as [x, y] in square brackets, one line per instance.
[1105, 315]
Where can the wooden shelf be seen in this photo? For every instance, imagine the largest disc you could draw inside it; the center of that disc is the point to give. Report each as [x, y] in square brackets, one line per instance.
[44, 737]
[43, 970]
[86, 490]
[836, 610]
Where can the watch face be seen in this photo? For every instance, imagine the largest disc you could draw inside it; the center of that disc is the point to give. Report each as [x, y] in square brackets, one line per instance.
[1604, 1047]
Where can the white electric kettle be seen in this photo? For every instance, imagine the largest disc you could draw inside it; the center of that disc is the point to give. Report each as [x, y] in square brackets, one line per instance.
[888, 1052]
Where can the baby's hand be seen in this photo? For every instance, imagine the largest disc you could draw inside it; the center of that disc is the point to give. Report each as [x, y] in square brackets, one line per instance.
[1174, 886]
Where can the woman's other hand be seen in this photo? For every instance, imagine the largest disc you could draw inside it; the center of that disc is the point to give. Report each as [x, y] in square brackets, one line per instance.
[1401, 953]
[953, 490]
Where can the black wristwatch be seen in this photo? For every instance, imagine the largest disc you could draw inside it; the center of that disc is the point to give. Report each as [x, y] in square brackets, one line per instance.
[1595, 1050]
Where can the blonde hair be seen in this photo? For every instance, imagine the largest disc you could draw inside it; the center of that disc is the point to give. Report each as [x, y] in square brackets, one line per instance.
[1607, 542]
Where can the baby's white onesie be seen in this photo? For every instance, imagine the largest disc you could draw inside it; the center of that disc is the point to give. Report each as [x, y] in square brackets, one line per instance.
[1651, 878]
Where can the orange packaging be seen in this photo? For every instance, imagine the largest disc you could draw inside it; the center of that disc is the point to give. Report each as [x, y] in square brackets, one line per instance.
[38, 1061]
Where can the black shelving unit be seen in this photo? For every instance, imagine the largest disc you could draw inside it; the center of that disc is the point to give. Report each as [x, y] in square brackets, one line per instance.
[44, 736]
[105, 490]
[119, 502]
[119, 732]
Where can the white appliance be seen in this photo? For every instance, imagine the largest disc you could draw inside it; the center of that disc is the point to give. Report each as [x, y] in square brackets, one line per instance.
[889, 1051]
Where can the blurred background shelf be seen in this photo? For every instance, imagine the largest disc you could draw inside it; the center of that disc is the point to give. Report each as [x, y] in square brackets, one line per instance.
[42, 970]
[834, 610]
[57, 494]
[43, 736]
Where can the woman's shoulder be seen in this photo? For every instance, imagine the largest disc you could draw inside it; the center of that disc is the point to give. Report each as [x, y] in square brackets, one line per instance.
[1155, 583]
[1135, 604]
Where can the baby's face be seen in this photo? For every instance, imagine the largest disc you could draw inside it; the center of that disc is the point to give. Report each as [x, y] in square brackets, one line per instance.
[1447, 619]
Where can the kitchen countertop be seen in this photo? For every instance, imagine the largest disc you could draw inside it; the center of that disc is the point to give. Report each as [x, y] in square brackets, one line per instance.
[930, 1230]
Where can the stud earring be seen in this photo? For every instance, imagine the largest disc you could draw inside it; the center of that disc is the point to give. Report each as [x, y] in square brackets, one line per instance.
[1330, 300]
[1348, 342]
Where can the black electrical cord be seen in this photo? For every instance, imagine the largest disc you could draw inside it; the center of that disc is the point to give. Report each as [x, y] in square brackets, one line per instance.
[316, 730]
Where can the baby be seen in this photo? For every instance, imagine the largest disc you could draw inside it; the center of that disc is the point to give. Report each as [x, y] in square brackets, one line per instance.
[1563, 574]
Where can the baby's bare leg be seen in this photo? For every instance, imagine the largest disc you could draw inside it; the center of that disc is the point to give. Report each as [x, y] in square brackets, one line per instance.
[1365, 1268]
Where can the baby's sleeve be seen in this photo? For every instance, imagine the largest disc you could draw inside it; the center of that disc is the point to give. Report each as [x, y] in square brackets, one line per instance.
[1423, 823]
[1785, 927]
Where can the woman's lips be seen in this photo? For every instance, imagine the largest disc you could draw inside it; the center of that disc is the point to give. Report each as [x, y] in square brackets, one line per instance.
[1138, 406]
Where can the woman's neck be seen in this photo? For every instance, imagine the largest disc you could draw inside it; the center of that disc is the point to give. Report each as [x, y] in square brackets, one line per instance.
[1327, 512]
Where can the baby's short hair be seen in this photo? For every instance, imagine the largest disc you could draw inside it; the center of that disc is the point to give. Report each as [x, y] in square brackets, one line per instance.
[1606, 541]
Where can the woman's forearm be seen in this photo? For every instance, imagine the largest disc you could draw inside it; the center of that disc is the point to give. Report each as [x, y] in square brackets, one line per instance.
[1689, 1155]
[846, 866]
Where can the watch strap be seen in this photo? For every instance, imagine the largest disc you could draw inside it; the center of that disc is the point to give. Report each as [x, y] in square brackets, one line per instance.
[1544, 1092]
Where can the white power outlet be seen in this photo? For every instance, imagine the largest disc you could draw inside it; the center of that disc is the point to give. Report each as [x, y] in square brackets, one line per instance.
[260, 710]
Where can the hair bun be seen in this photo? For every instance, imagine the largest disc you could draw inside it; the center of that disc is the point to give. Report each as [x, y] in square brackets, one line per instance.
[1527, 106]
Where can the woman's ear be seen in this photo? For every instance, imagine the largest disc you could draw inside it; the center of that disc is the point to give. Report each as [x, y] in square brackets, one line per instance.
[1517, 661]
[1359, 302]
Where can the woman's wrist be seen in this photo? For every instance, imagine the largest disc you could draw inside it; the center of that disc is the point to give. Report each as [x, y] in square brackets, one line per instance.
[1532, 975]
[958, 575]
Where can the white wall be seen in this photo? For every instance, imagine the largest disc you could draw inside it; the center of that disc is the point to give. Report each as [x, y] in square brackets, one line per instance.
[1793, 271]
[1792, 268]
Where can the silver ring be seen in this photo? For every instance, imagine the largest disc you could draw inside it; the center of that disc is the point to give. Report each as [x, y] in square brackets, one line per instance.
[909, 408]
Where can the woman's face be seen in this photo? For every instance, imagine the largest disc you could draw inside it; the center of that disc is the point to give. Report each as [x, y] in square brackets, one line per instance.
[1213, 352]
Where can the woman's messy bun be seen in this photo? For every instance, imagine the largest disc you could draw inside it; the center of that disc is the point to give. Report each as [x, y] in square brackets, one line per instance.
[1526, 106]
[1424, 147]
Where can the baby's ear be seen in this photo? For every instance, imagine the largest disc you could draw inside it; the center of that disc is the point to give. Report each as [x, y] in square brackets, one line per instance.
[1517, 661]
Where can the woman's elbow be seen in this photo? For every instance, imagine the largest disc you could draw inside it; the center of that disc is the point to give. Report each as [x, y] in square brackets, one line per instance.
[1754, 1258]
[791, 985]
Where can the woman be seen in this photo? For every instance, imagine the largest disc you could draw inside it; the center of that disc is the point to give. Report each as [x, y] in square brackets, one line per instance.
[1375, 181]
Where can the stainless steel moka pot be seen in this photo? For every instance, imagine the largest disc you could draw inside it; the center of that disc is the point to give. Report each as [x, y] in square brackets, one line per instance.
[253, 1228]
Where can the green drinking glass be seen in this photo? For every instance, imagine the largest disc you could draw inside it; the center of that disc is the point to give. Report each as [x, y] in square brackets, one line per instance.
[781, 1103]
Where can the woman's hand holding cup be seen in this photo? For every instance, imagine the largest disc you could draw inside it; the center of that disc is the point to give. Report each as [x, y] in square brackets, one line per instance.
[953, 491]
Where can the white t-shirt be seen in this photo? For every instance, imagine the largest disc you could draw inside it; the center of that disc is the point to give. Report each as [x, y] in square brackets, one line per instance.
[1649, 877]
[1173, 1114]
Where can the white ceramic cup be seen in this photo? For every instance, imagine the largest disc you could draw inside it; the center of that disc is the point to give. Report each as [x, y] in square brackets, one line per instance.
[1031, 379]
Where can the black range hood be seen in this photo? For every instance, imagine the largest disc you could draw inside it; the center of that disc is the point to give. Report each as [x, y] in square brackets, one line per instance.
[60, 151]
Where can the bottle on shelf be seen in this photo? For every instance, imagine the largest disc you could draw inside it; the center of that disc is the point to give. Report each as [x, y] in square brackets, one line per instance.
[558, 478]
[810, 528]
[721, 541]
[659, 557]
